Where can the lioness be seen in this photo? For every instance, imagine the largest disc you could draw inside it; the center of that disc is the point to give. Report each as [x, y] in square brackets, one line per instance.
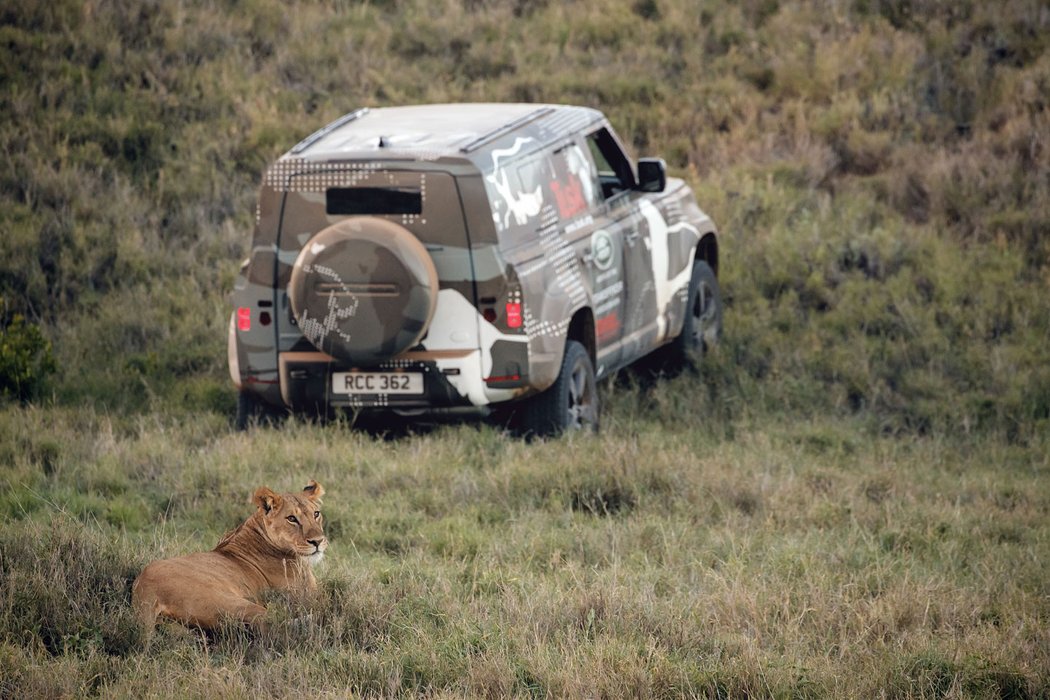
[272, 549]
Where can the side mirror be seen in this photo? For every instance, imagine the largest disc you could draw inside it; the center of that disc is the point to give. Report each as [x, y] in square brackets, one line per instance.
[652, 174]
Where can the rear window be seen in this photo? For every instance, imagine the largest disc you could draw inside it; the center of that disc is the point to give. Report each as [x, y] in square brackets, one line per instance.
[373, 200]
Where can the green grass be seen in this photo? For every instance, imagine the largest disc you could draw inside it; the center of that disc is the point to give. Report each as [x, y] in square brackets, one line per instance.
[847, 500]
[795, 557]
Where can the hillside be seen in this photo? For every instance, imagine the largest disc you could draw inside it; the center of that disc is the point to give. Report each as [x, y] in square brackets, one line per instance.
[880, 174]
[871, 433]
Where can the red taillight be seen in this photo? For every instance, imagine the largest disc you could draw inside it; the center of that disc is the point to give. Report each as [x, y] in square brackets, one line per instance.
[244, 318]
[513, 314]
[503, 378]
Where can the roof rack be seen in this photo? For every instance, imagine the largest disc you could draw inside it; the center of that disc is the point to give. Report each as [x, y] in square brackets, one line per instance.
[325, 130]
[505, 129]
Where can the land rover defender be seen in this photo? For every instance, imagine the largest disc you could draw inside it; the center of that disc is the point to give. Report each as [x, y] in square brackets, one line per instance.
[457, 259]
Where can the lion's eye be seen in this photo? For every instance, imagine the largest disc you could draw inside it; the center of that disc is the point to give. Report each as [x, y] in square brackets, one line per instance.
[292, 519]
[317, 515]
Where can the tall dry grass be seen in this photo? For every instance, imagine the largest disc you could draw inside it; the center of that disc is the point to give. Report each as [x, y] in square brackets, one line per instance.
[779, 558]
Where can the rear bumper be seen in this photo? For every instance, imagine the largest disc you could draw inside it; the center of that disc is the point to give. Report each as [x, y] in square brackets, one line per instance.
[306, 385]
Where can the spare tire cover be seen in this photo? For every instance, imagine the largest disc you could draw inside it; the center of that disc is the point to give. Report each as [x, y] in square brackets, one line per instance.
[363, 290]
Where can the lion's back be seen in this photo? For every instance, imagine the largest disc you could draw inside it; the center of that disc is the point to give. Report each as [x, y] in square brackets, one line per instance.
[181, 587]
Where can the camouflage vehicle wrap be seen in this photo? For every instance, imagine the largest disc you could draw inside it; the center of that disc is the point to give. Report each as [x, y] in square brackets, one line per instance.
[442, 258]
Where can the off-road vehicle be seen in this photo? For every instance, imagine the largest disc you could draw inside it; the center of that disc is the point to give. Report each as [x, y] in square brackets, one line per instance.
[457, 259]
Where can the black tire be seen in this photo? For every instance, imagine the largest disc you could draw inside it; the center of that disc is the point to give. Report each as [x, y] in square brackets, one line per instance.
[247, 409]
[251, 410]
[702, 326]
[571, 403]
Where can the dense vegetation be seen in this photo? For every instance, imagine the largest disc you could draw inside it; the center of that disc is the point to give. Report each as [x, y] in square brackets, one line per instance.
[848, 499]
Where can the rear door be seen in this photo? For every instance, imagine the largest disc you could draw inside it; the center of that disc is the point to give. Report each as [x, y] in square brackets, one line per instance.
[425, 203]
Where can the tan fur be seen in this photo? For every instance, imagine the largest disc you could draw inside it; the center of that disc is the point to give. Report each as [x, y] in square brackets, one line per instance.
[268, 551]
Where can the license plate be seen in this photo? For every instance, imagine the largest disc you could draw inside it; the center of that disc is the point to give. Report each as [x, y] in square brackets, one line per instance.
[377, 383]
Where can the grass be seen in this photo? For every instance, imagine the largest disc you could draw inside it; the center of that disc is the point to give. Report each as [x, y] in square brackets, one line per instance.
[791, 558]
[847, 500]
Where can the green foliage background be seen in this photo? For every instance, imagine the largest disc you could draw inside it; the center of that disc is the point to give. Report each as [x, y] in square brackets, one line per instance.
[879, 171]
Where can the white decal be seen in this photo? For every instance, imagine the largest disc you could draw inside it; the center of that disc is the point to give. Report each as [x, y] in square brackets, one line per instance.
[522, 205]
[666, 285]
[660, 255]
[581, 167]
[503, 153]
[582, 222]
[452, 314]
[317, 330]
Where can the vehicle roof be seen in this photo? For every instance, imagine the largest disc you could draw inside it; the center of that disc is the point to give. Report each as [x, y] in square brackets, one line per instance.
[461, 131]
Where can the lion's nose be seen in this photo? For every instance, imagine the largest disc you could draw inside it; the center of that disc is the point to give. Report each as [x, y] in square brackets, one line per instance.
[315, 543]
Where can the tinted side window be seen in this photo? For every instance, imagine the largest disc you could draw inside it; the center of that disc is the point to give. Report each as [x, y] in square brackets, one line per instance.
[614, 168]
[575, 180]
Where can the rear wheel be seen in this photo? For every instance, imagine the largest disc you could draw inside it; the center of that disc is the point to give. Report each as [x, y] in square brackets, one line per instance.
[251, 410]
[571, 403]
[248, 409]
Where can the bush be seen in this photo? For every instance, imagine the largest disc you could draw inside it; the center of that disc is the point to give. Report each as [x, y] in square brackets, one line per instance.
[26, 360]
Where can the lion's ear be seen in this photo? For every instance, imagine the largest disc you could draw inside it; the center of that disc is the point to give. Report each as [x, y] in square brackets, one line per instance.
[314, 491]
[266, 499]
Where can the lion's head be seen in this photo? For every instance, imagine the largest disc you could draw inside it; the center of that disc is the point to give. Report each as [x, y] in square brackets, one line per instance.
[293, 522]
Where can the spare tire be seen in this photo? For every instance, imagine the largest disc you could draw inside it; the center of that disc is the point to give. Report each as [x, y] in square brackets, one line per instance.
[363, 290]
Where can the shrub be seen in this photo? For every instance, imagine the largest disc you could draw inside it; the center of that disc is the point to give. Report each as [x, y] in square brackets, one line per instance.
[26, 360]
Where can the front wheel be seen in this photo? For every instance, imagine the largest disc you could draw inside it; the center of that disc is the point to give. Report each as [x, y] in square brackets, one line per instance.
[702, 326]
[571, 403]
